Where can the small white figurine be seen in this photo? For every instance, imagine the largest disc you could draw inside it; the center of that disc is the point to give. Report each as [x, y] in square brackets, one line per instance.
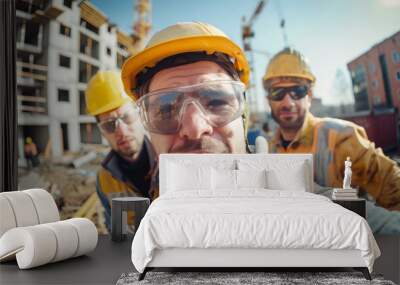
[261, 145]
[347, 174]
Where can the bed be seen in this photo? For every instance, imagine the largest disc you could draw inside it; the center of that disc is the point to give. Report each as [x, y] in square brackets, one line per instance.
[246, 211]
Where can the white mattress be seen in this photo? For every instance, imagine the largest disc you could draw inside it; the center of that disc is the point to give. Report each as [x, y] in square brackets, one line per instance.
[252, 218]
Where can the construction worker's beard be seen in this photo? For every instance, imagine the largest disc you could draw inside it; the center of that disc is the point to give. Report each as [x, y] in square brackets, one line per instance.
[202, 145]
[128, 148]
[126, 153]
[288, 124]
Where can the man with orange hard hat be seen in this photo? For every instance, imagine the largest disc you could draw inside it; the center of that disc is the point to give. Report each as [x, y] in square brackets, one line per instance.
[189, 84]
[288, 82]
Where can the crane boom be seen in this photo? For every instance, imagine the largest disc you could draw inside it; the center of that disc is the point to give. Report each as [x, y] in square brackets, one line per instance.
[247, 35]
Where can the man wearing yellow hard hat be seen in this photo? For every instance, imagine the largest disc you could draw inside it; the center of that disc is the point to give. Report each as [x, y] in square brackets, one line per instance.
[127, 169]
[31, 153]
[288, 82]
[189, 84]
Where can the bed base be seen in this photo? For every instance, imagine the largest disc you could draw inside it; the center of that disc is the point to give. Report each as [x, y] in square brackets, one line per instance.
[363, 270]
[243, 260]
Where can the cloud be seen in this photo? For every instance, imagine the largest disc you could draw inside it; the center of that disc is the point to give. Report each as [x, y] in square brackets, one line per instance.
[390, 3]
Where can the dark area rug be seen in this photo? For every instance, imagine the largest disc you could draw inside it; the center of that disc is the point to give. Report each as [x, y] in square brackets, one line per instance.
[228, 278]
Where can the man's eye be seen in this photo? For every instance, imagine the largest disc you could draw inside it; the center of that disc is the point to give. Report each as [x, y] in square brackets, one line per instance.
[128, 118]
[217, 103]
[163, 112]
[166, 109]
[220, 106]
[278, 92]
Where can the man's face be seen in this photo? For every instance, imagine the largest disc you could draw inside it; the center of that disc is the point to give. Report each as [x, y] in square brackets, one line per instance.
[288, 112]
[196, 134]
[123, 130]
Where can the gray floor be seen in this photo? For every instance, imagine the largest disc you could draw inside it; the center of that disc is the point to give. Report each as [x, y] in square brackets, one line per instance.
[389, 262]
[102, 266]
[110, 260]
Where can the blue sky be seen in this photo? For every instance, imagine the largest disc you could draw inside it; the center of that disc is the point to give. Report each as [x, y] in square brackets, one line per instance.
[329, 33]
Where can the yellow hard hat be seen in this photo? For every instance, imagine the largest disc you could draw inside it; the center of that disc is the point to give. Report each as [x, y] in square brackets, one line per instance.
[288, 63]
[28, 140]
[105, 92]
[182, 38]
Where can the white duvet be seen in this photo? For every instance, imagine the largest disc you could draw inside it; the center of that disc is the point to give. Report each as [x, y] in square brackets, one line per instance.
[253, 218]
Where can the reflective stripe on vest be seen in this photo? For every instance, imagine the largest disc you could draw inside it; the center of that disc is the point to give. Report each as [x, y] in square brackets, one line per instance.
[323, 150]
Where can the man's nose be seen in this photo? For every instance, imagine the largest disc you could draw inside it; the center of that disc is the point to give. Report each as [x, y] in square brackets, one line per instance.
[120, 128]
[287, 100]
[194, 123]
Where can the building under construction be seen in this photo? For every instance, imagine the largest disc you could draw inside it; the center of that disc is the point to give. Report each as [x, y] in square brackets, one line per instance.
[60, 45]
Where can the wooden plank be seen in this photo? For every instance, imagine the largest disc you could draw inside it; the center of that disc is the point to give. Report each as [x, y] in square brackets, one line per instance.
[53, 11]
[32, 109]
[32, 65]
[124, 39]
[90, 14]
[127, 42]
[89, 133]
[92, 210]
[23, 98]
[32, 75]
[39, 17]
[87, 207]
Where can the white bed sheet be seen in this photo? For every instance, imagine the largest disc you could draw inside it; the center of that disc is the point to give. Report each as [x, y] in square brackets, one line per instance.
[251, 218]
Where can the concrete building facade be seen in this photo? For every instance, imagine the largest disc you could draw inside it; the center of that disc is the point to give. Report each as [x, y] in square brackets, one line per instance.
[61, 44]
[376, 76]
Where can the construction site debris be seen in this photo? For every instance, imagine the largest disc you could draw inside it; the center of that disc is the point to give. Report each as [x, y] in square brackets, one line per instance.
[70, 187]
[66, 159]
[47, 150]
[32, 179]
[84, 159]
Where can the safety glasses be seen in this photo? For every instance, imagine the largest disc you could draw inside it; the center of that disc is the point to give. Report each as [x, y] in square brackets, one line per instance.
[220, 102]
[295, 92]
[128, 118]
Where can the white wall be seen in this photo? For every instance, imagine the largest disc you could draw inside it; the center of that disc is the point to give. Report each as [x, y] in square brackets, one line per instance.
[63, 78]
[108, 39]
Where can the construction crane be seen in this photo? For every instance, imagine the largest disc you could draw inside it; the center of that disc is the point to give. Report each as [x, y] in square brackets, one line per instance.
[282, 24]
[247, 35]
[142, 23]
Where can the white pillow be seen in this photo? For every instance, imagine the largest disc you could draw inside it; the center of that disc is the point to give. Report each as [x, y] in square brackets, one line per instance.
[224, 179]
[281, 174]
[251, 178]
[181, 177]
[292, 179]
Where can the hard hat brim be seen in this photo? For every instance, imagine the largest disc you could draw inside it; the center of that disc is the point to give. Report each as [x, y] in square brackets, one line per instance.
[149, 57]
[310, 77]
[111, 106]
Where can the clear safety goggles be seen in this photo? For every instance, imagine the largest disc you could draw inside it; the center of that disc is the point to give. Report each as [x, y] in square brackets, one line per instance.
[128, 118]
[220, 102]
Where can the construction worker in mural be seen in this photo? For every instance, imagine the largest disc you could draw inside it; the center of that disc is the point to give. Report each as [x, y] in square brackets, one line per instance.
[127, 169]
[288, 83]
[31, 153]
[189, 84]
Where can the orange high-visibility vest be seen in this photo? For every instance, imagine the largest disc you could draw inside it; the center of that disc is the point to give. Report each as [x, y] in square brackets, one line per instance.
[331, 141]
